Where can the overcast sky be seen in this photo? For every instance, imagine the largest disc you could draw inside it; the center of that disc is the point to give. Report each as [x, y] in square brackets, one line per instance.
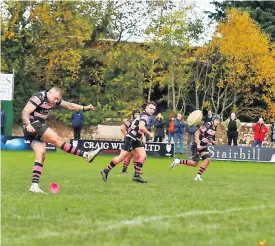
[204, 5]
[201, 6]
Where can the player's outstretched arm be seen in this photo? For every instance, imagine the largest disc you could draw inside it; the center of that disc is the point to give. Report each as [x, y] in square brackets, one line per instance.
[76, 107]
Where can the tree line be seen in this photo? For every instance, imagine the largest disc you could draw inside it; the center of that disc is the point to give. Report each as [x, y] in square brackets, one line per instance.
[83, 48]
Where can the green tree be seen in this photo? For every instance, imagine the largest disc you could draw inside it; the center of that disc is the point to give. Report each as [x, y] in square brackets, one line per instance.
[59, 32]
[263, 12]
[173, 33]
[14, 49]
[124, 78]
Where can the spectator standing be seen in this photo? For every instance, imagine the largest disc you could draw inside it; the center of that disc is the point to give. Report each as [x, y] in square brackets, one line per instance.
[273, 132]
[260, 129]
[3, 121]
[179, 133]
[77, 121]
[149, 128]
[208, 117]
[171, 128]
[159, 125]
[232, 127]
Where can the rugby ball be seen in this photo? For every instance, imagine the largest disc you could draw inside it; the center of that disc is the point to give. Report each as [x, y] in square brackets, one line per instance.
[194, 118]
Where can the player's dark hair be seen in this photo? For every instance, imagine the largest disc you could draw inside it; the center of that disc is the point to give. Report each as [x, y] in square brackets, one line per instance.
[134, 112]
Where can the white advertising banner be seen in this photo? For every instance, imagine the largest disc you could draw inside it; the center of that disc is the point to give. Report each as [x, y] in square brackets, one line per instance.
[6, 87]
[240, 153]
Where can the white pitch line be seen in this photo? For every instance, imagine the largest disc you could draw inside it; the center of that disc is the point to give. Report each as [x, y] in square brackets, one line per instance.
[140, 220]
[105, 226]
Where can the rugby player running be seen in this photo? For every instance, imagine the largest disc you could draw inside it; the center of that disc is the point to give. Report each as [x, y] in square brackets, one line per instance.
[132, 142]
[204, 135]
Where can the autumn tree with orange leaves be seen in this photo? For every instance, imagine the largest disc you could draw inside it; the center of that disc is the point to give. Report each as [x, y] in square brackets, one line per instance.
[241, 67]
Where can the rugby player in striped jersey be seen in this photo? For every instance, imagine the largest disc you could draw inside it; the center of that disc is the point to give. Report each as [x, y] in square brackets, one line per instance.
[204, 136]
[38, 133]
[133, 142]
[125, 128]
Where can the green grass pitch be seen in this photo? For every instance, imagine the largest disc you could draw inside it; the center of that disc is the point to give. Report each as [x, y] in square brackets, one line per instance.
[234, 205]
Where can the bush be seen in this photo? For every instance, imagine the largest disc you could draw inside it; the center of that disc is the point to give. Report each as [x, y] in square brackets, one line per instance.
[92, 118]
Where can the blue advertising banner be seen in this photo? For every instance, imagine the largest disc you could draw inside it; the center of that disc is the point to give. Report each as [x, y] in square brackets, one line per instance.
[19, 143]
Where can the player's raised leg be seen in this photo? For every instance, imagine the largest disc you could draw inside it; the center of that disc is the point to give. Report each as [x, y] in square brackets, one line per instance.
[184, 162]
[40, 156]
[51, 136]
[195, 158]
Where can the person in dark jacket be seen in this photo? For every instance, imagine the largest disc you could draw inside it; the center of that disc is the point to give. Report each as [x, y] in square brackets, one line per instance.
[3, 121]
[180, 124]
[77, 121]
[149, 128]
[159, 125]
[208, 117]
[273, 132]
[191, 133]
[232, 127]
